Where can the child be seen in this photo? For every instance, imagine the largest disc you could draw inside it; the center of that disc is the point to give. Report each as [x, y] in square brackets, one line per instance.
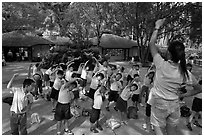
[134, 70]
[56, 87]
[121, 70]
[95, 82]
[69, 72]
[121, 103]
[148, 81]
[196, 110]
[63, 107]
[136, 97]
[84, 75]
[115, 89]
[99, 97]
[21, 105]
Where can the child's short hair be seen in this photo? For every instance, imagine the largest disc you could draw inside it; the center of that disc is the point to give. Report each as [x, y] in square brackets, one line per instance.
[60, 72]
[37, 64]
[122, 69]
[101, 75]
[136, 75]
[134, 84]
[28, 82]
[136, 65]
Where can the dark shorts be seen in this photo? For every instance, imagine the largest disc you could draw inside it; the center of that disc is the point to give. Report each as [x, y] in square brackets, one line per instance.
[129, 78]
[54, 94]
[62, 111]
[113, 96]
[148, 110]
[46, 77]
[197, 104]
[145, 90]
[135, 98]
[91, 93]
[51, 83]
[84, 81]
[121, 105]
[95, 115]
[76, 94]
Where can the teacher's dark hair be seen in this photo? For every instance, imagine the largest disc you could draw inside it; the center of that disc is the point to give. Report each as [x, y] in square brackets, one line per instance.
[177, 50]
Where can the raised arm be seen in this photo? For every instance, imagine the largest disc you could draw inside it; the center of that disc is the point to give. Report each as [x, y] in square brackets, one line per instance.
[29, 71]
[153, 39]
[85, 64]
[11, 81]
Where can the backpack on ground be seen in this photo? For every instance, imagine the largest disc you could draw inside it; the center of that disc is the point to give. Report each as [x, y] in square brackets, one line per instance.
[185, 111]
[132, 112]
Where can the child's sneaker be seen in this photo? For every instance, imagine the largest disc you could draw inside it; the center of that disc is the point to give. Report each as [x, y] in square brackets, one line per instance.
[68, 132]
[144, 126]
[189, 126]
[197, 124]
[93, 130]
[99, 127]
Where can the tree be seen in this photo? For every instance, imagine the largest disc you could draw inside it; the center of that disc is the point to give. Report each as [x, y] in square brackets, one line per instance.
[21, 16]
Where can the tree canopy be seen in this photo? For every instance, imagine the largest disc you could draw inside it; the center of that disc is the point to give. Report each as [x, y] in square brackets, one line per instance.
[80, 21]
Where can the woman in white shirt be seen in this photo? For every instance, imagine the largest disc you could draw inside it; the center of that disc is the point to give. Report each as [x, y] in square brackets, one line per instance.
[165, 112]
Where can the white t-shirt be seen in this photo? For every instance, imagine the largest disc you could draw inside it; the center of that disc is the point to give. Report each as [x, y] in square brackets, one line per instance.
[94, 83]
[98, 101]
[168, 79]
[116, 86]
[48, 72]
[83, 74]
[57, 84]
[68, 75]
[20, 99]
[126, 94]
[65, 96]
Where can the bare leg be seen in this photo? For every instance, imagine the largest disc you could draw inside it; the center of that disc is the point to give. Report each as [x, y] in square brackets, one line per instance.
[159, 130]
[59, 124]
[171, 130]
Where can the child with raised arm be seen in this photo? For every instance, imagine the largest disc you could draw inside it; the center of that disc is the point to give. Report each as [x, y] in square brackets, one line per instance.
[99, 97]
[64, 101]
[22, 101]
[56, 87]
[121, 103]
[115, 89]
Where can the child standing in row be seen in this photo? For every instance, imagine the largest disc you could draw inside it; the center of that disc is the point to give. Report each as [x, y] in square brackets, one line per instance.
[56, 88]
[121, 103]
[63, 107]
[115, 89]
[99, 97]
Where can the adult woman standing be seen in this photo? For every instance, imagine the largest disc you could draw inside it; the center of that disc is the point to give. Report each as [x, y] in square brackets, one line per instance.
[170, 74]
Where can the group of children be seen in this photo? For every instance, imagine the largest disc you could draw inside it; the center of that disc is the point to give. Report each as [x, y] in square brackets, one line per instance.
[103, 82]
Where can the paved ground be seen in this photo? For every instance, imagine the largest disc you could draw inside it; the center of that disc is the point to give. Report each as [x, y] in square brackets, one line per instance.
[81, 125]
